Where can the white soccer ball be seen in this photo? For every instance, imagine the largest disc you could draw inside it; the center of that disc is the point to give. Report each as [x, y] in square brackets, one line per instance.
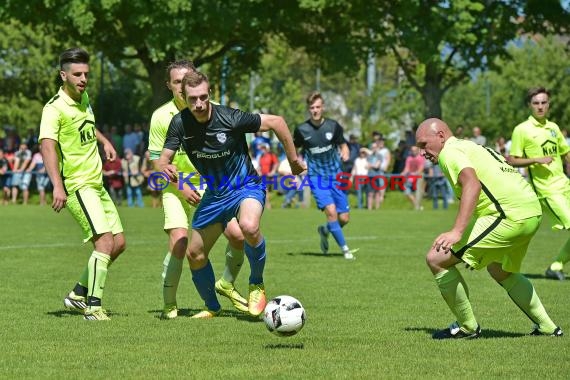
[284, 316]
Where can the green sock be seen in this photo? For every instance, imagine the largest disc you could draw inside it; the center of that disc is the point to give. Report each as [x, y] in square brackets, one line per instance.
[234, 261]
[98, 263]
[171, 277]
[455, 292]
[562, 258]
[522, 293]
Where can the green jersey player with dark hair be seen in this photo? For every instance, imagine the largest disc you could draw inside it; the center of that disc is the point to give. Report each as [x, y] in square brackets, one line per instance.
[69, 147]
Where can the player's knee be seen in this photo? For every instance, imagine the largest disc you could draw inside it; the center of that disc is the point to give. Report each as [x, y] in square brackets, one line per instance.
[432, 259]
[343, 219]
[249, 228]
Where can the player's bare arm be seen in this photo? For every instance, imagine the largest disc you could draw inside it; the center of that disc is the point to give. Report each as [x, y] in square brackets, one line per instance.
[165, 165]
[51, 162]
[470, 190]
[108, 148]
[278, 125]
[344, 152]
[524, 162]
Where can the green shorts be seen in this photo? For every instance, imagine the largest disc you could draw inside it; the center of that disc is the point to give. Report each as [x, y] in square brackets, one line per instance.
[493, 239]
[94, 211]
[177, 212]
[558, 206]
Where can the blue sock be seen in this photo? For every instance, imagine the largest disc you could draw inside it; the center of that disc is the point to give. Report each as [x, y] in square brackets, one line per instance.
[204, 281]
[336, 230]
[256, 258]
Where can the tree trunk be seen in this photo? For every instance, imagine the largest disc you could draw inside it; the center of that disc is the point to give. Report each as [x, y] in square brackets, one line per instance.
[432, 92]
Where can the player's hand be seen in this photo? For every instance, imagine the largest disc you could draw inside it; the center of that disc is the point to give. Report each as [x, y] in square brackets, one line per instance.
[171, 171]
[344, 155]
[192, 196]
[446, 240]
[544, 160]
[110, 152]
[59, 199]
[297, 166]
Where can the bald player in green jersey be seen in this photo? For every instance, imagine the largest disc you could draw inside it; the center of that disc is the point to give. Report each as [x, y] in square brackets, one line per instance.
[506, 215]
[538, 144]
[69, 147]
[176, 205]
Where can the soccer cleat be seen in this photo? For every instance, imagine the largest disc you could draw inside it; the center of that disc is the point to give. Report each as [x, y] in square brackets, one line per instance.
[455, 332]
[233, 295]
[169, 312]
[257, 301]
[324, 239]
[557, 332]
[554, 274]
[96, 315]
[206, 314]
[349, 255]
[74, 302]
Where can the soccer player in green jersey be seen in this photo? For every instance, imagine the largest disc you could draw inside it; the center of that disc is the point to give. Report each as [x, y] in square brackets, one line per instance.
[538, 144]
[176, 205]
[506, 215]
[69, 147]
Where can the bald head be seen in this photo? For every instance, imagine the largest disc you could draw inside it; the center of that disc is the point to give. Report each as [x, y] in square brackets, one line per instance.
[431, 137]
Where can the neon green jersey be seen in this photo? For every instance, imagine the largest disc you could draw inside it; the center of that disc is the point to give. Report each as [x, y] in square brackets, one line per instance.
[159, 123]
[72, 125]
[531, 139]
[504, 192]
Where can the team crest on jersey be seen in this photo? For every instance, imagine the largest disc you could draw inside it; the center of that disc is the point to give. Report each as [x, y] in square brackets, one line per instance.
[329, 135]
[221, 137]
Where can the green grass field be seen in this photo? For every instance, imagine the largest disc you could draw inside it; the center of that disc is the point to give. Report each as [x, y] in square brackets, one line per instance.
[371, 318]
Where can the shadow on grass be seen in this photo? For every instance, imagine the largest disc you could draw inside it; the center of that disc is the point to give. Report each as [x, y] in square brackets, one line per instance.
[320, 254]
[485, 334]
[224, 314]
[541, 276]
[284, 346]
[65, 313]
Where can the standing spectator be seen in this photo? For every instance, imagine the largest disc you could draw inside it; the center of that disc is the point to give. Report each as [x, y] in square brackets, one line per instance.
[386, 156]
[116, 139]
[38, 169]
[147, 169]
[268, 164]
[538, 144]
[374, 184]
[400, 154]
[12, 140]
[478, 138]
[133, 178]
[501, 146]
[4, 168]
[459, 132]
[131, 139]
[256, 144]
[414, 186]
[437, 185]
[360, 169]
[32, 140]
[20, 178]
[113, 179]
[353, 154]
[290, 184]
[322, 139]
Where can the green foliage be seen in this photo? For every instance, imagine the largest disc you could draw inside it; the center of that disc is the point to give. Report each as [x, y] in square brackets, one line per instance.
[535, 62]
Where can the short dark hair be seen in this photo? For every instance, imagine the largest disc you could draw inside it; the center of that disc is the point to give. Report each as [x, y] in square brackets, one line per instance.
[314, 96]
[532, 92]
[73, 55]
[193, 78]
[181, 64]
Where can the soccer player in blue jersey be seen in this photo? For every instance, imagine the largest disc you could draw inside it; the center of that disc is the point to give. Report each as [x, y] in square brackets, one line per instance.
[321, 140]
[213, 137]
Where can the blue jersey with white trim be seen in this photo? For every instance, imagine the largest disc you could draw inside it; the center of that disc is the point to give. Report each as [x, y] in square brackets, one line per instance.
[218, 148]
[320, 146]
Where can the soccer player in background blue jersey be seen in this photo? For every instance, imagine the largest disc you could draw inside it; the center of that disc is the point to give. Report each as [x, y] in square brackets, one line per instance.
[321, 140]
[213, 137]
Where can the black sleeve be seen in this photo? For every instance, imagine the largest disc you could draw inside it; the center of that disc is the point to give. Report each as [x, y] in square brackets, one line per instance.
[338, 137]
[173, 136]
[244, 122]
[298, 138]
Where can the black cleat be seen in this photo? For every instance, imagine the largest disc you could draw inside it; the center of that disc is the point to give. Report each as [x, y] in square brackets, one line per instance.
[557, 332]
[554, 274]
[455, 332]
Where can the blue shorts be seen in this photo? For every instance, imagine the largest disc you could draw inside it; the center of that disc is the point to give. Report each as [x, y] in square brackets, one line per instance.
[326, 192]
[221, 209]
